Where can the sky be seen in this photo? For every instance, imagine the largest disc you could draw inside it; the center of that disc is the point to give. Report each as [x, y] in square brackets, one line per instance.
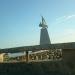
[19, 21]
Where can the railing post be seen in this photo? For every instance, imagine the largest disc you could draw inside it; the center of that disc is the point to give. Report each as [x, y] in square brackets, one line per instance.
[27, 56]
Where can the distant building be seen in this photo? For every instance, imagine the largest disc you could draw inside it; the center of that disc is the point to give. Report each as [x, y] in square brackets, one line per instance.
[3, 57]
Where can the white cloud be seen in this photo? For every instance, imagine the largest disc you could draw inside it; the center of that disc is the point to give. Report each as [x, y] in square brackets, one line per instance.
[69, 17]
[60, 18]
[64, 19]
[68, 33]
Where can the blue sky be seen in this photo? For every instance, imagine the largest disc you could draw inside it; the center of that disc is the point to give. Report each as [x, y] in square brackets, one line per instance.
[19, 21]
